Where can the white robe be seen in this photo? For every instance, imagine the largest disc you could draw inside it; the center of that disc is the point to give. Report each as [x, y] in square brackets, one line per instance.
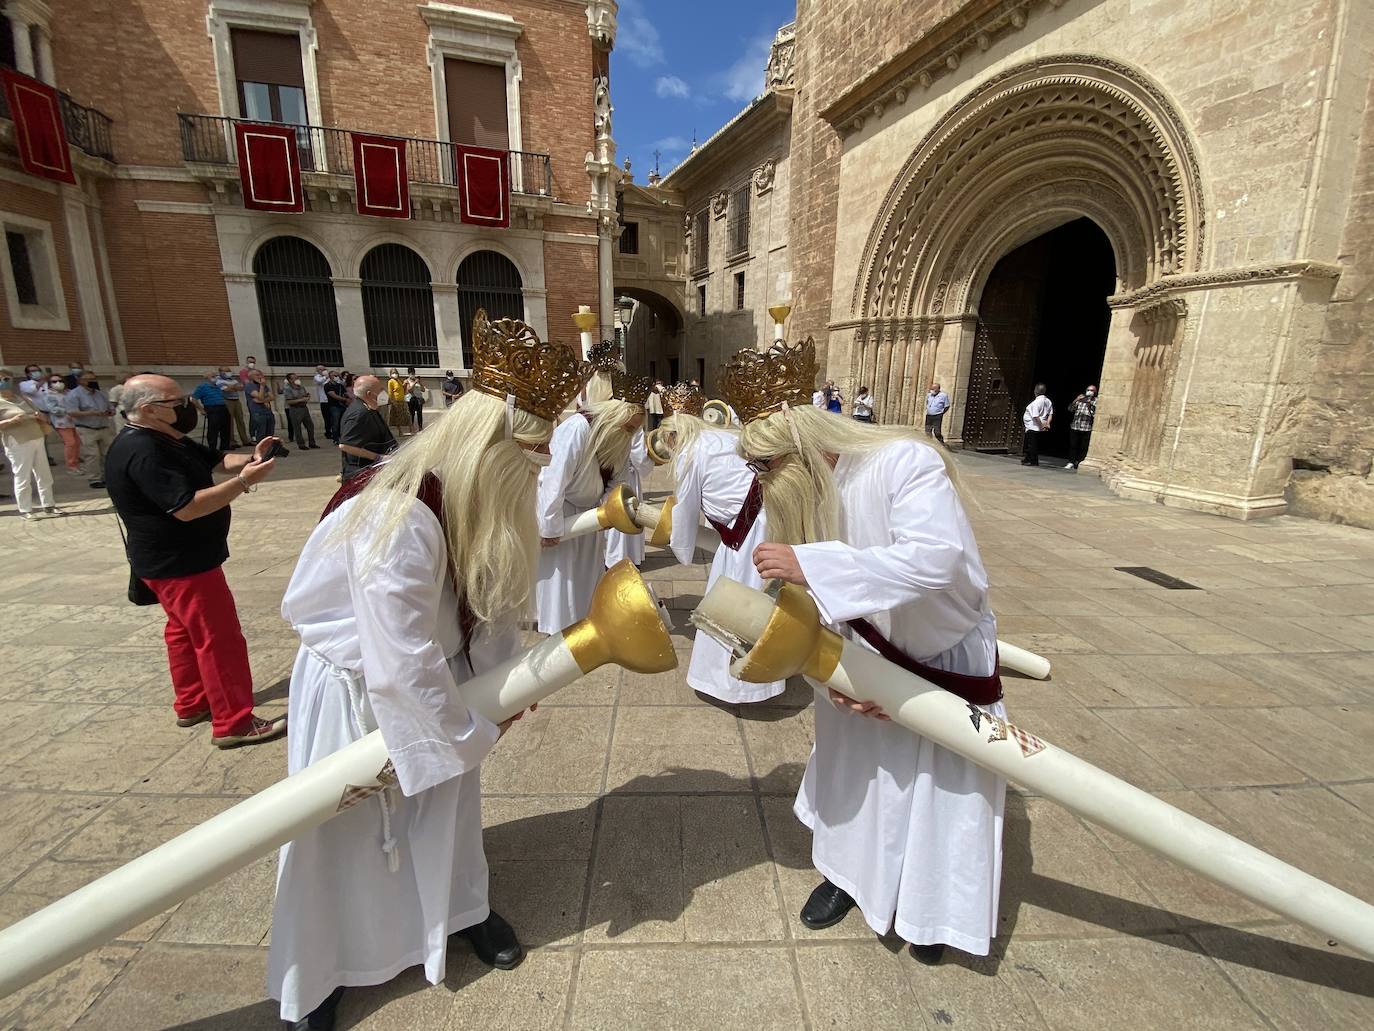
[382, 648]
[912, 831]
[569, 485]
[633, 474]
[713, 480]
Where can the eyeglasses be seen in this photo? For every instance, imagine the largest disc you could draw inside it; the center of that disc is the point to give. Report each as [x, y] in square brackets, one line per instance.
[167, 401]
[758, 466]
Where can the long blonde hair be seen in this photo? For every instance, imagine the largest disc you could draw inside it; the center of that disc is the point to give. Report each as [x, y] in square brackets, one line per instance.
[686, 430]
[488, 487]
[610, 441]
[799, 495]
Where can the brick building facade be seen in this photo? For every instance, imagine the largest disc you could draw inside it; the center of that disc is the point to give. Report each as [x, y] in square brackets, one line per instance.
[151, 260]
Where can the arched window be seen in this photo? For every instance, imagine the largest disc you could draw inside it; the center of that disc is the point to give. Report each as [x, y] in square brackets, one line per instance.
[300, 325]
[398, 309]
[491, 281]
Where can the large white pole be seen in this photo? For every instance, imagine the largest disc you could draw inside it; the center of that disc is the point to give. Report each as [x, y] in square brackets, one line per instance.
[790, 640]
[624, 627]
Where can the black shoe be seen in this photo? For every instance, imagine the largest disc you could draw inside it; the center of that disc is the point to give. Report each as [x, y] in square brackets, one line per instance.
[826, 907]
[495, 943]
[96, 483]
[321, 1018]
[930, 955]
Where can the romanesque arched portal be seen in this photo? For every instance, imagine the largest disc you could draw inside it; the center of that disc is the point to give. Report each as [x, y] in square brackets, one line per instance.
[1039, 145]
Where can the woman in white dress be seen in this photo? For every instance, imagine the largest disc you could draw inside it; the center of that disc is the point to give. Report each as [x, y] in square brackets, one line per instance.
[870, 521]
[712, 480]
[413, 581]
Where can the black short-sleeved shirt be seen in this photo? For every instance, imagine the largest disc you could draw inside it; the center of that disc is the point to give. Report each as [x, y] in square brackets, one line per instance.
[361, 427]
[149, 476]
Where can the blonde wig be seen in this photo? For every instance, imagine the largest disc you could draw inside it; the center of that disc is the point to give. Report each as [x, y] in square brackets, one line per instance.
[610, 441]
[598, 388]
[488, 483]
[684, 430]
[799, 495]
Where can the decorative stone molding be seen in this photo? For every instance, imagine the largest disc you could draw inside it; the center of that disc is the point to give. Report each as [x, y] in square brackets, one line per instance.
[1227, 277]
[781, 72]
[1176, 308]
[601, 21]
[472, 35]
[1104, 142]
[938, 53]
[720, 204]
[763, 176]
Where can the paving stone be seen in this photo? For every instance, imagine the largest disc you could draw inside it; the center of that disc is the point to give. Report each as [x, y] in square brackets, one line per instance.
[1198, 747]
[859, 987]
[671, 748]
[558, 750]
[59, 999]
[701, 989]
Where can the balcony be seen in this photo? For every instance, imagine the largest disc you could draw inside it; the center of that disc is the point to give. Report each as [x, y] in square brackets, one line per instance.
[208, 141]
[87, 129]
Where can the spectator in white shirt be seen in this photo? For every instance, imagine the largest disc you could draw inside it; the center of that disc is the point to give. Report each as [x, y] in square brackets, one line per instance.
[937, 404]
[863, 405]
[33, 388]
[1036, 420]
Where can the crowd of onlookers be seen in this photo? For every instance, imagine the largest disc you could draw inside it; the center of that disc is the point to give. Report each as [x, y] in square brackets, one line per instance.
[50, 418]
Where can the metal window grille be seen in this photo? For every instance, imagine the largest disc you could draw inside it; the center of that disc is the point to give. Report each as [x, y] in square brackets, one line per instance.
[398, 309]
[629, 238]
[701, 240]
[300, 323]
[701, 299]
[737, 226]
[739, 291]
[487, 280]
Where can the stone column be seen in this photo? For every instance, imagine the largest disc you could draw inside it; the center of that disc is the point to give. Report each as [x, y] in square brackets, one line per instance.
[242, 291]
[87, 277]
[23, 43]
[348, 300]
[43, 61]
[449, 325]
[606, 274]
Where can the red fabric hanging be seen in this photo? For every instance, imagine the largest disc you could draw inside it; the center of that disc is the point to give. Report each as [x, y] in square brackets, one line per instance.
[269, 167]
[381, 186]
[483, 186]
[38, 129]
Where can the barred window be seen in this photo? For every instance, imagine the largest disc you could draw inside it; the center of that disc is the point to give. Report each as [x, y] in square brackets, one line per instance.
[701, 240]
[490, 281]
[300, 321]
[737, 228]
[398, 308]
[629, 238]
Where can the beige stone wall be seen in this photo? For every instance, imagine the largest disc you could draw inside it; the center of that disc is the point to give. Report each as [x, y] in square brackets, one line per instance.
[722, 329]
[1272, 112]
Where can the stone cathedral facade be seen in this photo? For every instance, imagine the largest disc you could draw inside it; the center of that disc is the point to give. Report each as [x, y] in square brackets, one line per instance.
[1170, 199]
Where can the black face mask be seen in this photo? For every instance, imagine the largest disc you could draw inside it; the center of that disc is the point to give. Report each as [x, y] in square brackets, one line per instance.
[187, 417]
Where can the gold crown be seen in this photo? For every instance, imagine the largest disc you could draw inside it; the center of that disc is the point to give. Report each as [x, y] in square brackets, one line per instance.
[635, 389]
[605, 356]
[509, 358]
[757, 383]
[685, 398]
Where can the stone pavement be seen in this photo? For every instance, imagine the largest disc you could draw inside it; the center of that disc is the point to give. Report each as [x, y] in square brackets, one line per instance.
[643, 843]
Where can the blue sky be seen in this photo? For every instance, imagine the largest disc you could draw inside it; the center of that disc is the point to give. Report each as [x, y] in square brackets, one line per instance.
[673, 71]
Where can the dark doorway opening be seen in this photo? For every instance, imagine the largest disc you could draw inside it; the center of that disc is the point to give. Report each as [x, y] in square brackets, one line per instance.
[1043, 318]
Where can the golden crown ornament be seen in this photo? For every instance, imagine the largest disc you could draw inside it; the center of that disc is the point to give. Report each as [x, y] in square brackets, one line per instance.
[685, 398]
[758, 383]
[604, 357]
[635, 389]
[509, 358]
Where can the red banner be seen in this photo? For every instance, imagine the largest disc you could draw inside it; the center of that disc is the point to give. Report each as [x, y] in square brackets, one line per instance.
[381, 186]
[483, 186]
[269, 167]
[38, 129]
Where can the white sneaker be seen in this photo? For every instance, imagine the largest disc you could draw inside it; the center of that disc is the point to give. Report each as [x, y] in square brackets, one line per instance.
[1070, 466]
[28, 516]
[75, 472]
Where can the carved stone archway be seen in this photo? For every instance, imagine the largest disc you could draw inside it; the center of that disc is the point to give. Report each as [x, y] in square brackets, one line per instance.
[1042, 143]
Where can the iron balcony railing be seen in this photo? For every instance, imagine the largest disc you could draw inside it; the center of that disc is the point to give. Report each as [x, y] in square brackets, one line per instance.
[86, 127]
[209, 140]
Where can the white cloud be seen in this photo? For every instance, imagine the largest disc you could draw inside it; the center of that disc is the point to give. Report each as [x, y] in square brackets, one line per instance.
[636, 37]
[743, 80]
[672, 144]
[672, 86]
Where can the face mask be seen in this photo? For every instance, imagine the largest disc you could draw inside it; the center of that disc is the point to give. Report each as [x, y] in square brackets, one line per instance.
[252, 365]
[538, 458]
[76, 370]
[1092, 393]
[36, 374]
[383, 399]
[187, 417]
[58, 386]
[5, 384]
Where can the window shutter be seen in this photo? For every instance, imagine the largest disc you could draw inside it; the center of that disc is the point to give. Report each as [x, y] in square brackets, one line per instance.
[269, 57]
[476, 103]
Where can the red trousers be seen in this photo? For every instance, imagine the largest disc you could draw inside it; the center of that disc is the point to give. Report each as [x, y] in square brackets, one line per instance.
[206, 651]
